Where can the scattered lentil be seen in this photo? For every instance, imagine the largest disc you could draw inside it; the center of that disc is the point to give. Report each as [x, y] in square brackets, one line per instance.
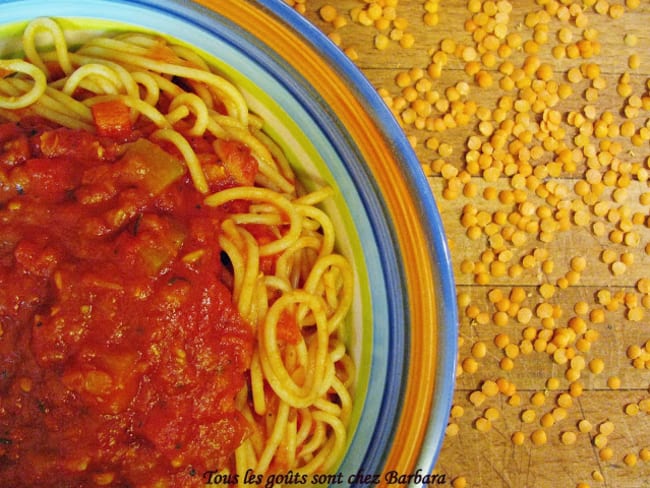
[644, 454]
[597, 476]
[614, 382]
[528, 416]
[606, 453]
[606, 427]
[459, 482]
[568, 438]
[538, 437]
[518, 438]
[482, 424]
[584, 426]
[630, 459]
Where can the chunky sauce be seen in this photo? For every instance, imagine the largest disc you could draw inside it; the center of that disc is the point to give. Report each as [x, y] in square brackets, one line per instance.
[121, 352]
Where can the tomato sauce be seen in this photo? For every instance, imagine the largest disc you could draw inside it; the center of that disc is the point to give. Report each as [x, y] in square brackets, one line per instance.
[121, 351]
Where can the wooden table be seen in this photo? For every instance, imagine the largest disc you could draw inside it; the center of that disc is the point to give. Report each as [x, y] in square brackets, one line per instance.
[511, 231]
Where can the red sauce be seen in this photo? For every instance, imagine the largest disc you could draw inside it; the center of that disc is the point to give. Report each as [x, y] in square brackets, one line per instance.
[119, 360]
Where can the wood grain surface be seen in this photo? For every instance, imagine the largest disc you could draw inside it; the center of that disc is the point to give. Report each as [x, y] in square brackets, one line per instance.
[580, 208]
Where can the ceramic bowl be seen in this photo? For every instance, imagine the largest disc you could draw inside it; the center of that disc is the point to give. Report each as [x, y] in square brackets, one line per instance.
[335, 130]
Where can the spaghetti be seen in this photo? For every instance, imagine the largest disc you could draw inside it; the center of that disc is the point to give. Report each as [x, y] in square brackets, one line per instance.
[144, 105]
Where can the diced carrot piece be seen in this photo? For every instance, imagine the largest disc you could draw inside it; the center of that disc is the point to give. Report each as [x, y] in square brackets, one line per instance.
[112, 119]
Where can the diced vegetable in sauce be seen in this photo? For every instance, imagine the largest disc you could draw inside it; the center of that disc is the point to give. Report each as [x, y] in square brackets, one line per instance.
[120, 361]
